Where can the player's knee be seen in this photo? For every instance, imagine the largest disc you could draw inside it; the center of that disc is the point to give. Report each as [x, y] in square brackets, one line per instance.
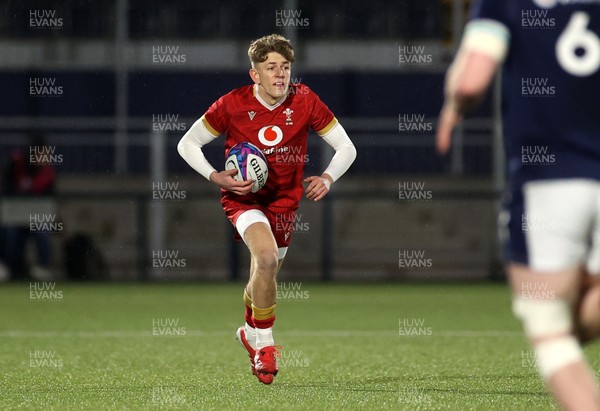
[548, 323]
[588, 315]
[266, 262]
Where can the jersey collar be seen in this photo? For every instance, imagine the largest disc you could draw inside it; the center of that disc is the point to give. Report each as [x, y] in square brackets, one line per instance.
[264, 103]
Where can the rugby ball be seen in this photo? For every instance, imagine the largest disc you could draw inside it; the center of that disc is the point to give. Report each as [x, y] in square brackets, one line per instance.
[250, 163]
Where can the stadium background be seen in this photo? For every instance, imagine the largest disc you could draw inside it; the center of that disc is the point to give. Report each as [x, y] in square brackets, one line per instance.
[129, 77]
[385, 299]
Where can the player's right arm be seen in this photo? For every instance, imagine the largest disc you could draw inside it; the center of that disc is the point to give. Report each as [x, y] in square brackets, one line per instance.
[190, 148]
[482, 51]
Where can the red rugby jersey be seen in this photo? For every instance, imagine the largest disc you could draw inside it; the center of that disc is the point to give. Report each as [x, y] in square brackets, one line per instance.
[280, 131]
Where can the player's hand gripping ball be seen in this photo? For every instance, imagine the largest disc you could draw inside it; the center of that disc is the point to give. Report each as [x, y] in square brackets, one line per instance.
[250, 163]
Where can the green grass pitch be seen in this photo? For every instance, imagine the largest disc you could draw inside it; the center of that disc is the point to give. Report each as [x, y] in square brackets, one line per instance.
[345, 347]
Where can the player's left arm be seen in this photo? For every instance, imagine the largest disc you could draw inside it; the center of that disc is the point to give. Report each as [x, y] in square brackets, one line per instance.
[482, 50]
[345, 154]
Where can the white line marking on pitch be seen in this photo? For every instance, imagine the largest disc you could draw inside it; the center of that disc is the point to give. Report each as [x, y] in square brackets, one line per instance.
[221, 333]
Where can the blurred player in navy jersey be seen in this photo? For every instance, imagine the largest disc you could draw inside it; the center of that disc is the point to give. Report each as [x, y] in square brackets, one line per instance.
[551, 78]
[275, 116]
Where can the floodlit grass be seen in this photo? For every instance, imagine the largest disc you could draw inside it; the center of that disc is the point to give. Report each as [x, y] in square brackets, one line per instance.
[345, 347]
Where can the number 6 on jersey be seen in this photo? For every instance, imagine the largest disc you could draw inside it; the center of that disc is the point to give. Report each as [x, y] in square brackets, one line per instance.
[577, 37]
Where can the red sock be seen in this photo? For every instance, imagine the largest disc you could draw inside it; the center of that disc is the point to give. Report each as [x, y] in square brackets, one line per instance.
[268, 323]
[248, 314]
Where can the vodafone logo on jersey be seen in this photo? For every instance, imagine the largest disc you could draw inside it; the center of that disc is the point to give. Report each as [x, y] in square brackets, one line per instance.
[270, 135]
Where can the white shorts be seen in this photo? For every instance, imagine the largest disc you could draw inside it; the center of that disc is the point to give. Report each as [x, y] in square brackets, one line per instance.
[561, 221]
[247, 218]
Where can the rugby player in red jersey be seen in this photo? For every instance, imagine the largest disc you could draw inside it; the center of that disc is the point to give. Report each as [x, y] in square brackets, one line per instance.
[275, 116]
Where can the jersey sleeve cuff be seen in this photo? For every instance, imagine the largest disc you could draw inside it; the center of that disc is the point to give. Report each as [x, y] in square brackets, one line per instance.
[488, 37]
[325, 130]
[210, 128]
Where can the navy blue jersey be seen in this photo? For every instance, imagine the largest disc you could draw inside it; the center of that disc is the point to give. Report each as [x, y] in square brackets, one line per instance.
[551, 86]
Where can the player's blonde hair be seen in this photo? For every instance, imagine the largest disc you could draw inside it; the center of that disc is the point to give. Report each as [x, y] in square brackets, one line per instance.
[259, 48]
